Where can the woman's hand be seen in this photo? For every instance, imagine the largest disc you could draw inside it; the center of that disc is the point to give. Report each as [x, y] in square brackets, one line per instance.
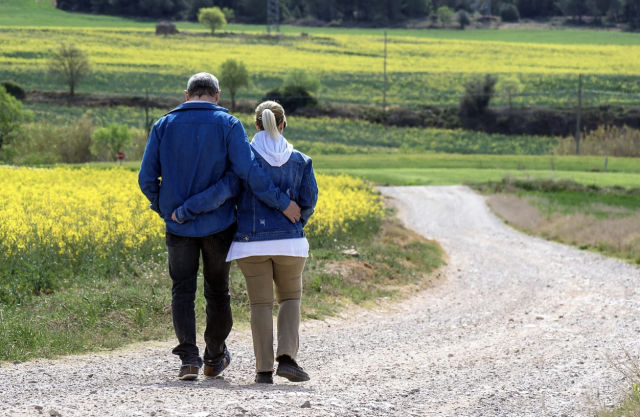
[292, 212]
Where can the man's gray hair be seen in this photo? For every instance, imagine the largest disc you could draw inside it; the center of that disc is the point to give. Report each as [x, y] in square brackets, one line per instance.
[202, 84]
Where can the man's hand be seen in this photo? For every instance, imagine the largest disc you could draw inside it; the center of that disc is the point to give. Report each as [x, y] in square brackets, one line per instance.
[292, 212]
[175, 219]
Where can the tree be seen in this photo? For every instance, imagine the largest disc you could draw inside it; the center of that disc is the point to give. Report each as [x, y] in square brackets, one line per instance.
[212, 17]
[300, 78]
[14, 89]
[111, 139]
[509, 13]
[195, 6]
[70, 64]
[477, 96]
[445, 15]
[12, 115]
[632, 13]
[463, 19]
[600, 9]
[233, 76]
[575, 8]
[614, 11]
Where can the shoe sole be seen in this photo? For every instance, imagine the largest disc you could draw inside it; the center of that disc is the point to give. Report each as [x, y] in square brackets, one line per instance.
[188, 377]
[265, 382]
[292, 375]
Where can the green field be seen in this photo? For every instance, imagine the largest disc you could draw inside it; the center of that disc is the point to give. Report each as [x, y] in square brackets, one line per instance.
[473, 169]
[42, 13]
[451, 169]
[425, 67]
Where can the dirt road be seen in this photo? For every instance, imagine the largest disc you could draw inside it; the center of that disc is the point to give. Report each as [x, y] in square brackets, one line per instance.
[522, 327]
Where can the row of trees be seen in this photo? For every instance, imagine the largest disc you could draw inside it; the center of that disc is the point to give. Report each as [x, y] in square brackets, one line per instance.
[355, 12]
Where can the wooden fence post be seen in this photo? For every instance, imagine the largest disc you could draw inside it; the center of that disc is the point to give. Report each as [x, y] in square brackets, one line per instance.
[384, 86]
[579, 109]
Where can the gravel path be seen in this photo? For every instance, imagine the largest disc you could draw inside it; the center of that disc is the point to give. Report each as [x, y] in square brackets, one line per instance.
[522, 327]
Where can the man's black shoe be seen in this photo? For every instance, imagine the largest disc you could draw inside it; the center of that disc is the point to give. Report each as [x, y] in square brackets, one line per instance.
[288, 368]
[188, 373]
[264, 378]
[214, 369]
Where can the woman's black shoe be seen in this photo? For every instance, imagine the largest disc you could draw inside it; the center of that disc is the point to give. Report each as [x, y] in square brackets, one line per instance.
[288, 368]
[264, 378]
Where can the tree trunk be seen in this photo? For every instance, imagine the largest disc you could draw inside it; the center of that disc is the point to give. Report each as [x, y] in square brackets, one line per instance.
[233, 102]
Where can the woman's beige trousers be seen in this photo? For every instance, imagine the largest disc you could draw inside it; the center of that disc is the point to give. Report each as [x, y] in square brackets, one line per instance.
[262, 274]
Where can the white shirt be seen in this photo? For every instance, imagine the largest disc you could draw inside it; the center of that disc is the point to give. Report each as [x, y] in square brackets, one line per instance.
[276, 153]
[281, 247]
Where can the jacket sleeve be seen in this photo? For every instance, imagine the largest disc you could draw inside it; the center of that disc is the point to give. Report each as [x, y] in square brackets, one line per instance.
[308, 195]
[210, 199]
[150, 170]
[245, 166]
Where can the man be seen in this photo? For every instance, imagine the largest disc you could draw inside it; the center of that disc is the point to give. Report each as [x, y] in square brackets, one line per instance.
[199, 149]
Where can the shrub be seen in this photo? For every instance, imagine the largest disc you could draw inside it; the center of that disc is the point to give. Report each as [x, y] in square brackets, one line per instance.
[291, 98]
[12, 116]
[445, 15]
[463, 19]
[510, 86]
[110, 140]
[604, 141]
[477, 96]
[509, 13]
[49, 142]
[135, 150]
[212, 17]
[14, 89]
[229, 14]
[299, 78]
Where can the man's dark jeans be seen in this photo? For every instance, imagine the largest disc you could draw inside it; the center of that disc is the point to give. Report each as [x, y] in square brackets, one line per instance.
[184, 261]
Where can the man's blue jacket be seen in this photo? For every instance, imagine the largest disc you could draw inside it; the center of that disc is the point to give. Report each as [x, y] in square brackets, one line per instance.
[199, 146]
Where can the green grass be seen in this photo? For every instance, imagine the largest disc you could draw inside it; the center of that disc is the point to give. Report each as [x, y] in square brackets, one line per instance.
[29, 13]
[426, 176]
[477, 162]
[134, 305]
[451, 169]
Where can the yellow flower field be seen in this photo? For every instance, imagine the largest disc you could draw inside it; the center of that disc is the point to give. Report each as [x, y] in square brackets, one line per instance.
[64, 224]
[350, 66]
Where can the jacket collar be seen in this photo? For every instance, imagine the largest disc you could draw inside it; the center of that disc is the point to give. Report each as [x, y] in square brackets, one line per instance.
[190, 105]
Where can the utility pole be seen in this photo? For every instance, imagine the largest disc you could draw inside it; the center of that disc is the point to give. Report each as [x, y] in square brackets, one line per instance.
[384, 85]
[273, 17]
[579, 110]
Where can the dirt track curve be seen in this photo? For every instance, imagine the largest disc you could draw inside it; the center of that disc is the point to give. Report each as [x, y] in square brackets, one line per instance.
[522, 327]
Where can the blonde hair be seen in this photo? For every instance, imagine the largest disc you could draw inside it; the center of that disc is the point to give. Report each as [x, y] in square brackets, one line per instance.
[269, 115]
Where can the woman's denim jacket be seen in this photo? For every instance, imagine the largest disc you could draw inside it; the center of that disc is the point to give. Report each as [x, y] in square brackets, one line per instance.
[256, 220]
[259, 222]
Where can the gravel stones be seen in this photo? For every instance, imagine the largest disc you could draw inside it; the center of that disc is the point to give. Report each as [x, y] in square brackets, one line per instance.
[497, 367]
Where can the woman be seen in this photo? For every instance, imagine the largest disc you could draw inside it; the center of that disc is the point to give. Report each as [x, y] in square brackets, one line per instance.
[271, 251]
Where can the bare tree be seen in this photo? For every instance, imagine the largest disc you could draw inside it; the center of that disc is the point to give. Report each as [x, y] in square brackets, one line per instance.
[69, 64]
[234, 76]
